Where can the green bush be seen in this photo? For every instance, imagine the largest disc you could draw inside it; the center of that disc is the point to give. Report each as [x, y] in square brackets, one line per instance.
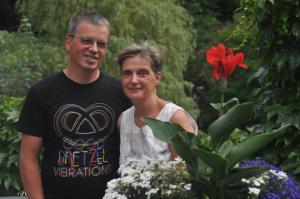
[25, 60]
[9, 144]
[277, 39]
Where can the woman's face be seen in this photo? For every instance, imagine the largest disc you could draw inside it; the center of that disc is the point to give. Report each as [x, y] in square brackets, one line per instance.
[138, 79]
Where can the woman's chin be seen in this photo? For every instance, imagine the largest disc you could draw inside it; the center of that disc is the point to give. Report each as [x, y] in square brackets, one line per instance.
[135, 98]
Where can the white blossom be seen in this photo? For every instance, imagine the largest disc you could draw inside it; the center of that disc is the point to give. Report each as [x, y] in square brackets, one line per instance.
[150, 179]
[253, 190]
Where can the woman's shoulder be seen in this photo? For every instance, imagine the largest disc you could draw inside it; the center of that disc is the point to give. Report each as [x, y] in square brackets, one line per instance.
[183, 118]
[126, 115]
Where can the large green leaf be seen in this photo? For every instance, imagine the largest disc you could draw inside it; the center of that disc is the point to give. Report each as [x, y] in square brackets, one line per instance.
[202, 185]
[181, 141]
[251, 145]
[225, 148]
[214, 161]
[163, 130]
[183, 147]
[221, 129]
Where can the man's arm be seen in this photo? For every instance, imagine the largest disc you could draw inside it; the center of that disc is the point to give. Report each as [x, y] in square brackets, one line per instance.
[29, 166]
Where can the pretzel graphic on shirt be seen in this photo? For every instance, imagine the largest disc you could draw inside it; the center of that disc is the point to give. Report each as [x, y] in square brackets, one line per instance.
[72, 122]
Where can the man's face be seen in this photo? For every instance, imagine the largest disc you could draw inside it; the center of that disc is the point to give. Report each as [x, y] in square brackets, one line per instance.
[87, 47]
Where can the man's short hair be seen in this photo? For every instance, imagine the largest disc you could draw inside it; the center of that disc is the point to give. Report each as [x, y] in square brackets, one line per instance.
[90, 17]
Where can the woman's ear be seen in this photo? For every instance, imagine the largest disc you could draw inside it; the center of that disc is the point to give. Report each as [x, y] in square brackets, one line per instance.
[158, 78]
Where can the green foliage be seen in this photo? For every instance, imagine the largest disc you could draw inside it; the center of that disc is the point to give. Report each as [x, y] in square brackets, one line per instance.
[213, 23]
[162, 22]
[277, 39]
[212, 166]
[24, 60]
[9, 144]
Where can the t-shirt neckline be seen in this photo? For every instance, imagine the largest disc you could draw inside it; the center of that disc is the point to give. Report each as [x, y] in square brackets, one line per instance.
[81, 85]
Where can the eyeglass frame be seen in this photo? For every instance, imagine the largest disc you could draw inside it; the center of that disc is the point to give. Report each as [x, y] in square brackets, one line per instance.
[89, 42]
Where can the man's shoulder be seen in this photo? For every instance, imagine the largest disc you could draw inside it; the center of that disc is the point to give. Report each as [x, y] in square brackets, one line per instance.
[111, 78]
[51, 80]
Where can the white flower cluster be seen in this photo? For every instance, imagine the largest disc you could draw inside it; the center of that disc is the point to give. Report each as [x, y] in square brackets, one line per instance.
[257, 184]
[150, 179]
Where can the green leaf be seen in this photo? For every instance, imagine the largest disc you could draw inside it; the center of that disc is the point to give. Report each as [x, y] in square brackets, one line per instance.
[256, 75]
[251, 145]
[182, 147]
[7, 183]
[225, 148]
[214, 161]
[181, 141]
[2, 157]
[227, 105]
[202, 185]
[16, 184]
[221, 129]
[296, 29]
[163, 130]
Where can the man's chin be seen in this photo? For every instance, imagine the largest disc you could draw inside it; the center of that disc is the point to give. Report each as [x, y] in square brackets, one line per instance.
[91, 68]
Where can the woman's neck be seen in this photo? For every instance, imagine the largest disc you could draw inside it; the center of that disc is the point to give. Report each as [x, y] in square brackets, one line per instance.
[149, 108]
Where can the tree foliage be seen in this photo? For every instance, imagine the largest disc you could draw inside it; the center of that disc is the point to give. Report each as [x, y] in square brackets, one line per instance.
[25, 59]
[161, 22]
[277, 39]
[9, 144]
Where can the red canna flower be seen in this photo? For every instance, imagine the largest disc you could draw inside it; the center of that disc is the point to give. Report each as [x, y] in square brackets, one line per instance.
[224, 63]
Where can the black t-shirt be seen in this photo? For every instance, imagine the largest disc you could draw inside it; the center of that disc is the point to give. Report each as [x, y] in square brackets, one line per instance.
[78, 125]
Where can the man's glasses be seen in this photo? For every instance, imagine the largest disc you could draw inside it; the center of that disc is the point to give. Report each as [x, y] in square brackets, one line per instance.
[89, 42]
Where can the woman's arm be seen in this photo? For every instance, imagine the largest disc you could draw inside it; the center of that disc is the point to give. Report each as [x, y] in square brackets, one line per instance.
[181, 118]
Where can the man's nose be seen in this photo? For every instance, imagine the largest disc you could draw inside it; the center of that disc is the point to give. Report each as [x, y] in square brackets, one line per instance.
[94, 47]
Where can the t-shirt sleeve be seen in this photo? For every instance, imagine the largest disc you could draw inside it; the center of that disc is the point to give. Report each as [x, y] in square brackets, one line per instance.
[32, 117]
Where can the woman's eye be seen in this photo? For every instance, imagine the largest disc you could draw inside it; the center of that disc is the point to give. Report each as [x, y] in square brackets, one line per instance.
[143, 73]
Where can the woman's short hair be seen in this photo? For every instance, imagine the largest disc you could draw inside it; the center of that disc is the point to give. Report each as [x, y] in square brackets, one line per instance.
[144, 50]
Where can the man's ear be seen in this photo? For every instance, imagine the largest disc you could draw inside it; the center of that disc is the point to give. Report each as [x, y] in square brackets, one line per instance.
[68, 41]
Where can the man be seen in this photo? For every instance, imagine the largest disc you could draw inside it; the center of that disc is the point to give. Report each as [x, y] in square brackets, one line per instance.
[72, 115]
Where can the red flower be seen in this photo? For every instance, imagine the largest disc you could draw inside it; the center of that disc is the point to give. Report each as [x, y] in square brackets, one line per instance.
[224, 62]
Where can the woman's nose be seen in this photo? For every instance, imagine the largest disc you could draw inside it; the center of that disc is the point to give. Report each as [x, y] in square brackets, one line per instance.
[134, 78]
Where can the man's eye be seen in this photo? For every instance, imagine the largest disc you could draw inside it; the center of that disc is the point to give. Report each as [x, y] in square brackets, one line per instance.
[126, 73]
[86, 41]
[101, 44]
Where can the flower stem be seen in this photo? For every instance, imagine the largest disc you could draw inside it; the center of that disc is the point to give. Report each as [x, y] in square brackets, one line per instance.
[223, 88]
[222, 104]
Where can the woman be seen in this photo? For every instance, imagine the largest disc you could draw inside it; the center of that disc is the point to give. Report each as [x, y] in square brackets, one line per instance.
[140, 66]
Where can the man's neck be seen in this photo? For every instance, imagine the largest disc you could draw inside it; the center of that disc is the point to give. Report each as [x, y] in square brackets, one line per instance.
[82, 77]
